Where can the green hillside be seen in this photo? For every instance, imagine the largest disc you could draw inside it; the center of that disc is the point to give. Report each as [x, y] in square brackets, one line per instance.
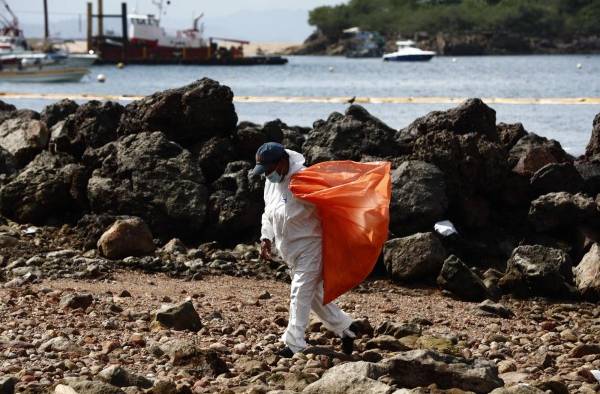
[549, 18]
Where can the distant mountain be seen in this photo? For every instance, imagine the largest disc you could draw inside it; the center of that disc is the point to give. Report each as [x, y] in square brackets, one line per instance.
[262, 26]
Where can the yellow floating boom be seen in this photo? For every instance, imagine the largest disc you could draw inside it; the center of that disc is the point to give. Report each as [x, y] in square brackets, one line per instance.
[324, 99]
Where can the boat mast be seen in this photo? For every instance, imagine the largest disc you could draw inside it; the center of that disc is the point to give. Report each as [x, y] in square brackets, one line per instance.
[159, 5]
[46, 34]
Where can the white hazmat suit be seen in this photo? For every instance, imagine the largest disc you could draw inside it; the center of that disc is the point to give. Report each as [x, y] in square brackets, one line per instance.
[295, 227]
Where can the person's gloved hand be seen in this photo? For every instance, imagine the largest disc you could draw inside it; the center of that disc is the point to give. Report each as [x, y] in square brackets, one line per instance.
[265, 249]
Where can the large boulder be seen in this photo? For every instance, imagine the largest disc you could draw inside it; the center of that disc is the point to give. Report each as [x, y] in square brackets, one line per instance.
[533, 152]
[23, 138]
[352, 136]
[587, 274]
[417, 368]
[472, 164]
[354, 377]
[51, 186]
[419, 256]
[92, 125]
[128, 237]
[458, 279]
[58, 111]
[236, 204]
[90, 228]
[557, 177]
[418, 197]
[563, 210]
[187, 115]
[148, 176]
[472, 116]
[593, 146]
[535, 270]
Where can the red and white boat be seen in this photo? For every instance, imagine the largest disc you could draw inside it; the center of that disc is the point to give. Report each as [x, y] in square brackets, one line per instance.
[146, 42]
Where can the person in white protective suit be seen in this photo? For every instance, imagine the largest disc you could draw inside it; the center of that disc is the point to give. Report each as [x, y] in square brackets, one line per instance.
[295, 228]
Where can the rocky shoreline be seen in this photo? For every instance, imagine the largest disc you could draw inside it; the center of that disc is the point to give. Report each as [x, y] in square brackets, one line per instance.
[91, 193]
[445, 44]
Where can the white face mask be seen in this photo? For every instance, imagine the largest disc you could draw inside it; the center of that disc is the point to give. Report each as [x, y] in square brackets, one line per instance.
[275, 177]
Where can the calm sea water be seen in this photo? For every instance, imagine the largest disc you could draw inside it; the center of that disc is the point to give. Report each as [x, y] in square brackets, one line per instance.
[492, 76]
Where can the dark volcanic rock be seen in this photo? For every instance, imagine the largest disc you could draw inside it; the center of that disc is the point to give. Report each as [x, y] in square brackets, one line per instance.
[563, 210]
[590, 173]
[179, 317]
[418, 197]
[249, 137]
[510, 134]
[92, 125]
[58, 111]
[419, 256]
[76, 301]
[24, 138]
[472, 116]
[471, 164]
[593, 146]
[457, 278]
[557, 177]
[398, 330]
[213, 156]
[352, 136]
[51, 186]
[538, 270]
[148, 176]
[7, 162]
[236, 204]
[533, 152]
[423, 367]
[187, 115]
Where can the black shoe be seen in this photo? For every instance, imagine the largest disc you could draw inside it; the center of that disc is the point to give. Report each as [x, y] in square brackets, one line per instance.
[286, 352]
[347, 345]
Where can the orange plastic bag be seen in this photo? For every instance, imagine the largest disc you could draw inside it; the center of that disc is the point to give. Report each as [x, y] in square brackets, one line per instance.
[353, 200]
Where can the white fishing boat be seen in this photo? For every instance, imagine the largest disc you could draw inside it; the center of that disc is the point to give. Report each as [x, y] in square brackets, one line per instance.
[39, 67]
[18, 63]
[407, 52]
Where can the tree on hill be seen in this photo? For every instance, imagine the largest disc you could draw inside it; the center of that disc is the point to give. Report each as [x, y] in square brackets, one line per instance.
[542, 18]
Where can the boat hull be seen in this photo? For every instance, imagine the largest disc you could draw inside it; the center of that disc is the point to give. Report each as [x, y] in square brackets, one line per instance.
[112, 51]
[73, 74]
[408, 58]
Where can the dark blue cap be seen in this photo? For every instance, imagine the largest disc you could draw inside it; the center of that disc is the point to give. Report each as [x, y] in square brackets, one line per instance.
[267, 155]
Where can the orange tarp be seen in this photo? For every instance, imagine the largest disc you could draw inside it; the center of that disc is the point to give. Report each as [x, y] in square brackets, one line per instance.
[353, 200]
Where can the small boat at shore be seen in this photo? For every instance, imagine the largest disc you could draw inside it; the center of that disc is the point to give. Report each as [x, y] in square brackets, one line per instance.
[407, 52]
[40, 67]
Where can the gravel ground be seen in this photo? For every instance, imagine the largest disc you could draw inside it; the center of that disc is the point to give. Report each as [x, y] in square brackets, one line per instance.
[244, 317]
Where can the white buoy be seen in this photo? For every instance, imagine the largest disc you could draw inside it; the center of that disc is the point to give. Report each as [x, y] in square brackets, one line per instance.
[331, 69]
[101, 78]
[579, 66]
[453, 60]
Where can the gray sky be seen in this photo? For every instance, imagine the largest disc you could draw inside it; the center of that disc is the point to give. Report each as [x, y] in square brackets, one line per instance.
[276, 20]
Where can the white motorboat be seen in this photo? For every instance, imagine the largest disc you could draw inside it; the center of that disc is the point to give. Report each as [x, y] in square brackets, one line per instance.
[407, 52]
[39, 67]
